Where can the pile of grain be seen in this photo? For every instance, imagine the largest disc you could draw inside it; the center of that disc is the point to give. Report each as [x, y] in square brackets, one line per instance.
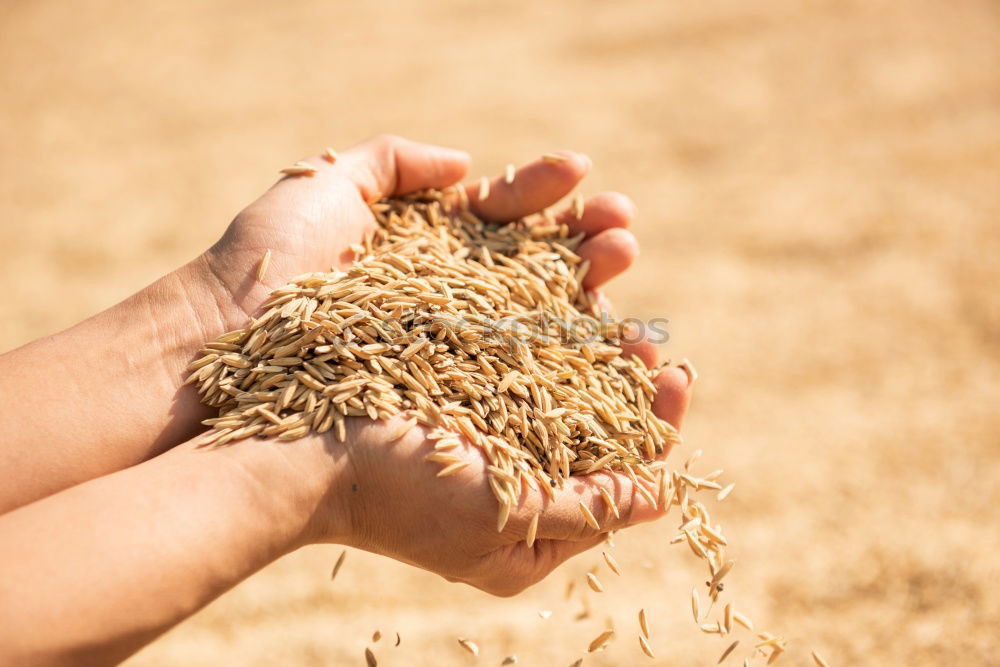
[474, 330]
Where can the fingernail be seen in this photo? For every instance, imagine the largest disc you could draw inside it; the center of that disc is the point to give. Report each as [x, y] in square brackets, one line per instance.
[688, 368]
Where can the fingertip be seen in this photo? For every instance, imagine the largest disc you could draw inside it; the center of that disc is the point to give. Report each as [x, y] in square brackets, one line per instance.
[454, 163]
[673, 395]
[600, 212]
[643, 349]
[610, 253]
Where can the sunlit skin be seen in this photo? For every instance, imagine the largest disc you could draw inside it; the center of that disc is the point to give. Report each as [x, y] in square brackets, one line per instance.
[117, 527]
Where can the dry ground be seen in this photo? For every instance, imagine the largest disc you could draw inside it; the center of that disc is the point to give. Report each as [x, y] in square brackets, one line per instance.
[819, 195]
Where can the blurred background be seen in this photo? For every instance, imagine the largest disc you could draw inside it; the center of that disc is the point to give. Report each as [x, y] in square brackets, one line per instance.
[819, 193]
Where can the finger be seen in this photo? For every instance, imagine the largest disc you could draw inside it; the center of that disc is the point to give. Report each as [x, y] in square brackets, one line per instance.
[641, 348]
[673, 394]
[390, 165]
[562, 519]
[607, 210]
[634, 340]
[610, 252]
[536, 186]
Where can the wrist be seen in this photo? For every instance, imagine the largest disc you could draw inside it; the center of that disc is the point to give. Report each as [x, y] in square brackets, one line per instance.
[299, 486]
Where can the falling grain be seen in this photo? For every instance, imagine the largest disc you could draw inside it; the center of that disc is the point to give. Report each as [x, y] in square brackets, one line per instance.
[643, 623]
[729, 650]
[713, 585]
[743, 620]
[644, 645]
[695, 605]
[600, 641]
[338, 564]
[818, 659]
[594, 583]
[469, 646]
[370, 658]
[612, 563]
[509, 660]
[722, 495]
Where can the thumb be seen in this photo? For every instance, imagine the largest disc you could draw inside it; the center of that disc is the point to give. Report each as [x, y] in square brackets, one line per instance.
[389, 165]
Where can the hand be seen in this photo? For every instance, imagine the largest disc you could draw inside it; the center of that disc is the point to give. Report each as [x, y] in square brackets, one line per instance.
[385, 498]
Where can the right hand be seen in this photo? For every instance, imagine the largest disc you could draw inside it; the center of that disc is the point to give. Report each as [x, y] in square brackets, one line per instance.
[385, 498]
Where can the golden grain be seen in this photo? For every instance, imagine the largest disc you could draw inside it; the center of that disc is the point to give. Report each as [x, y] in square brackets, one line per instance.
[265, 261]
[695, 605]
[643, 623]
[338, 564]
[484, 188]
[554, 158]
[729, 650]
[644, 645]
[600, 641]
[469, 646]
[818, 659]
[743, 620]
[299, 169]
[722, 495]
[612, 563]
[508, 174]
[609, 501]
[594, 583]
[532, 530]
[588, 516]
[541, 406]
[688, 368]
[370, 658]
[330, 155]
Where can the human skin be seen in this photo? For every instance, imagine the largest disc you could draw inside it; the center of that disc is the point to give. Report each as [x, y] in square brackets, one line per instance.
[145, 538]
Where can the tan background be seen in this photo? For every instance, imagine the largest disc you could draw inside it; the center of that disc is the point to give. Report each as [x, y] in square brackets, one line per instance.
[819, 187]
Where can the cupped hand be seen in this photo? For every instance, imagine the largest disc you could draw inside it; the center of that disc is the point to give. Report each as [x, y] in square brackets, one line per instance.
[385, 497]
